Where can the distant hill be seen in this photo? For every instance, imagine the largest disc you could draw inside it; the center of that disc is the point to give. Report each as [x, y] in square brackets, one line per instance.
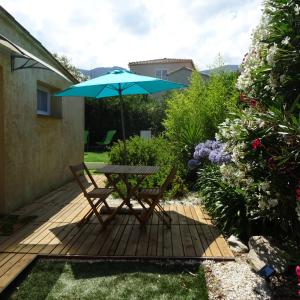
[98, 71]
[226, 68]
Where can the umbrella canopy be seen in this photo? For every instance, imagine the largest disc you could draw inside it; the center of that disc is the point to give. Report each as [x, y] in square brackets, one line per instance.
[119, 83]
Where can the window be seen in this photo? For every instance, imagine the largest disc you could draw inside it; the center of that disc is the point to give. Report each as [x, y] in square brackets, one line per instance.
[161, 74]
[43, 101]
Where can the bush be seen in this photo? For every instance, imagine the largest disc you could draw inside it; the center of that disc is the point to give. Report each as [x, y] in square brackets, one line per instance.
[153, 152]
[227, 205]
[194, 115]
[263, 139]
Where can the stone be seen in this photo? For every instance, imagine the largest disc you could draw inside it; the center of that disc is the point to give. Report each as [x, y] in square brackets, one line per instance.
[266, 253]
[236, 245]
[254, 261]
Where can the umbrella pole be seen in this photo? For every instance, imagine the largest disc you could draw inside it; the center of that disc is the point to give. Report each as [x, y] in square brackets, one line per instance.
[122, 121]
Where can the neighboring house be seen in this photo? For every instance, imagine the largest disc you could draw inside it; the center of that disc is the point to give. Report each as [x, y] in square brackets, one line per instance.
[40, 135]
[173, 69]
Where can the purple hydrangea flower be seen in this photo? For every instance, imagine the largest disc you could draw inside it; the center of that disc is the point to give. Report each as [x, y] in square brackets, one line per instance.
[193, 164]
[211, 150]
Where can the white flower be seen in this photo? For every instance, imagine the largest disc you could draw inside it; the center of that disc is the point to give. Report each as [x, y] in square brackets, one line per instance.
[298, 210]
[218, 137]
[273, 81]
[264, 186]
[272, 52]
[282, 78]
[297, 9]
[249, 181]
[273, 202]
[286, 40]
[262, 204]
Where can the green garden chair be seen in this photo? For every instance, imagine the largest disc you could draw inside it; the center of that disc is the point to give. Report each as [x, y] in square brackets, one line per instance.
[108, 139]
[86, 139]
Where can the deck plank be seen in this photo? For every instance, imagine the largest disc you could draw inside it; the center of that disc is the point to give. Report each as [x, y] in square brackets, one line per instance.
[176, 241]
[11, 269]
[152, 244]
[55, 233]
[187, 243]
[133, 241]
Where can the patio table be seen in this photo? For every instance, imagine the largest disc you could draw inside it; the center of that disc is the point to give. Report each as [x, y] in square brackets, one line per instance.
[122, 173]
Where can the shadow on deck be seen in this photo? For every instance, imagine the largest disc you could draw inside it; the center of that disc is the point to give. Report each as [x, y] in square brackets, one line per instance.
[55, 233]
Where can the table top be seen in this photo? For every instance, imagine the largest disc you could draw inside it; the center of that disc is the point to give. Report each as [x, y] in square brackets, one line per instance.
[123, 169]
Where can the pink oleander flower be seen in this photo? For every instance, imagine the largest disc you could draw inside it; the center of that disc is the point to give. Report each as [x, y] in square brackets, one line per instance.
[253, 102]
[256, 144]
[298, 193]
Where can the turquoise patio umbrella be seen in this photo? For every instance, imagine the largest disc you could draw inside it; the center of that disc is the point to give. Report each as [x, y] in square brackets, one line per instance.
[119, 83]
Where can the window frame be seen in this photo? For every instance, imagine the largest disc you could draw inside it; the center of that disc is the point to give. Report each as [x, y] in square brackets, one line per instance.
[161, 73]
[42, 112]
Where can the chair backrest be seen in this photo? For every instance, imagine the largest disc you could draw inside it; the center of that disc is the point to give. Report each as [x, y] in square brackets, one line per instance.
[146, 134]
[109, 136]
[78, 171]
[168, 180]
[86, 136]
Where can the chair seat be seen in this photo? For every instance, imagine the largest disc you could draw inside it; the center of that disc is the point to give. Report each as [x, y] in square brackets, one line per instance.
[102, 143]
[149, 193]
[100, 192]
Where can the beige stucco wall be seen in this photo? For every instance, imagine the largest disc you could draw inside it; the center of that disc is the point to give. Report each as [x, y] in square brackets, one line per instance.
[36, 150]
[181, 76]
[2, 169]
[149, 69]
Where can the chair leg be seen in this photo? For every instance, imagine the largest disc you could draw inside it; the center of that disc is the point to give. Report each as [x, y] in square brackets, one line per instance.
[88, 215]
[157, 209]
[107, 206]
[164, 212]
[146, 215]
[94, 208]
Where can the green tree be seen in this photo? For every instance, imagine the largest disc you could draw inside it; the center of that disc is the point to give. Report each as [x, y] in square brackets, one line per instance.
[66, 62]
[193, 115]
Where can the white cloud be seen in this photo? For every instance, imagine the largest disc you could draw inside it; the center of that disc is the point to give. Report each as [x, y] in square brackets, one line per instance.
[97, 33]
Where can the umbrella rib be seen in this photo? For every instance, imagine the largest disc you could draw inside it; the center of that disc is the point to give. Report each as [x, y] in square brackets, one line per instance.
[129, 86]
[101, 89]
[116, 89]
[144, 89]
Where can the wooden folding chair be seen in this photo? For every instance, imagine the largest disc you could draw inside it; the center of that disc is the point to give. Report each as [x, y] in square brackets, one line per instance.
[151, 197]
[95, 197]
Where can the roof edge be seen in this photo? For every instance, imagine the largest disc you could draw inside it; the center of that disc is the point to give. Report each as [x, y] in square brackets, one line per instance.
[162, 60]
[71, 77]
[176, 70]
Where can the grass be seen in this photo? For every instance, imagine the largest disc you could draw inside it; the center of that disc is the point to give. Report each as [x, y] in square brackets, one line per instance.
[96, 157]
[111, 280]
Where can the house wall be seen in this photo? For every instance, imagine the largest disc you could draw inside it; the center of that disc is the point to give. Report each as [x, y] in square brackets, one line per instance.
[149, 69]
[36, 150]
[2, 169]
[181, 76]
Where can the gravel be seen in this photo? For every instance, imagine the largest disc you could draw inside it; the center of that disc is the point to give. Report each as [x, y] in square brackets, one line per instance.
[234, 281]
[190, 199]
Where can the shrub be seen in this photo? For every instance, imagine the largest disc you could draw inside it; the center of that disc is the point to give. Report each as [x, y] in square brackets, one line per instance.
[194, 115]
[263, 139]
[155, 151]
[226, 204]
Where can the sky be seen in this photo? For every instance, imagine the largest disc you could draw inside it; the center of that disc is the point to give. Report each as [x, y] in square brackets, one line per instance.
[105, 33]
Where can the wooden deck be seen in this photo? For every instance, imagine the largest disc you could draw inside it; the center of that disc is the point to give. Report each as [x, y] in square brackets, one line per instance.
[54, 233]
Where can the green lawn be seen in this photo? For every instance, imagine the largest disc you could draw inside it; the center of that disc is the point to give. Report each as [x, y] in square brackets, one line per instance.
[96, 157]
[111, 280]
